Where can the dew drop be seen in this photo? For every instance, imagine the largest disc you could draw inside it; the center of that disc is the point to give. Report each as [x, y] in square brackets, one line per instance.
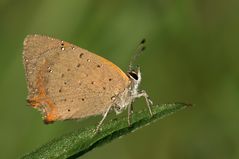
[49, 69]
[81, 55]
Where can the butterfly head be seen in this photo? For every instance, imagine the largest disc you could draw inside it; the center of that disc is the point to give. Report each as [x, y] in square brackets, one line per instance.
[135, 78]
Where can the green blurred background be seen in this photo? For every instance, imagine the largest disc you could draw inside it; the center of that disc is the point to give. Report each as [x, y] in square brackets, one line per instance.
[192, 56]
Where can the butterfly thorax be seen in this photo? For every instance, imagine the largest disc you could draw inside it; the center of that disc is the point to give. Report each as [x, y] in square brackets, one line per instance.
[127, 97]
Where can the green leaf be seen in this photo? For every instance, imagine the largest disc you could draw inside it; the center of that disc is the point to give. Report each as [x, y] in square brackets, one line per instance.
[79, 142]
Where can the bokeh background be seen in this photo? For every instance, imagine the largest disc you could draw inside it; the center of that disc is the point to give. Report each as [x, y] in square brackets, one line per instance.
[192, 56]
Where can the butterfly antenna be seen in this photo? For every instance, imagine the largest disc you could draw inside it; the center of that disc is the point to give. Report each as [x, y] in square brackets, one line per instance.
[140, 48]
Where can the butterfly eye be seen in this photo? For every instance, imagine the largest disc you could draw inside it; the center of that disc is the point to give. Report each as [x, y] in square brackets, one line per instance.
[133, 75]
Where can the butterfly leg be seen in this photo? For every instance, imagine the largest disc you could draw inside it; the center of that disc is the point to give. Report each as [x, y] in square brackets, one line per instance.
[104, 116]
[148, 101]
[130, 111]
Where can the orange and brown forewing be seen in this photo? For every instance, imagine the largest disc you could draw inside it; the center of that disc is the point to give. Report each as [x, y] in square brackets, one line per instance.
[68, 82]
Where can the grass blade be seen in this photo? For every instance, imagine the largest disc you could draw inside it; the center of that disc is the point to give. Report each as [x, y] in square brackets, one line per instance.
[79, 142]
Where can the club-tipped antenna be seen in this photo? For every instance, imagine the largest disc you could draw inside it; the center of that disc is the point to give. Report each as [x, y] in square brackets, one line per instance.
[140, 48]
